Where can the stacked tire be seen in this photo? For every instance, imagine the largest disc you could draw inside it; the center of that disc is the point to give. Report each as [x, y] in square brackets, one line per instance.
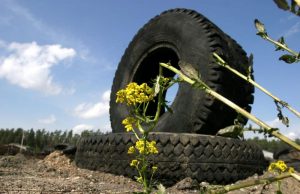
[202, 157]
[186, 138]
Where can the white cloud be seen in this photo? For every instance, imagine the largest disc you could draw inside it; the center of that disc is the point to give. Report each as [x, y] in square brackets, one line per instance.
[49, 120]
[106, 128]
[78, 129]
[275, 123]
[70, 91]
[293, 30]
[28, 65]
[22, 14]
[90, 111]
[81, 127]
[31, 23]
[106, 96]
[292, 131]
[288, 18]
[292, 135]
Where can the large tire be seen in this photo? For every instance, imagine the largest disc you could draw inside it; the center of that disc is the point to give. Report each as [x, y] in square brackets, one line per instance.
[203, 158]
[182, 34]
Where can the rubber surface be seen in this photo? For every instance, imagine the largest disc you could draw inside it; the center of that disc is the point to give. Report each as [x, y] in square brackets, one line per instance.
[203, 158]
[182, 34]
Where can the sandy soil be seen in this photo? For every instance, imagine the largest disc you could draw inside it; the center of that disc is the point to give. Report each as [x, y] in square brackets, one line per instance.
[57, 173]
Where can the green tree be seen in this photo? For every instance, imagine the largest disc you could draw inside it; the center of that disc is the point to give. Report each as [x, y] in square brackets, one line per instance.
[18, 134]
[69, 136]
[30, 140]
[39, 140]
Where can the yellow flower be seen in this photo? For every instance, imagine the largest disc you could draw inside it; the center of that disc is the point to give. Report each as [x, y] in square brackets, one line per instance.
[291, 170]
[139, 145]
[278, 167]
[154, 168]
[165, 81]
[120, 96]
[135, 94]
[134, 163]
[131, 150]
[128, 123]
[150, 147]
[139, 179]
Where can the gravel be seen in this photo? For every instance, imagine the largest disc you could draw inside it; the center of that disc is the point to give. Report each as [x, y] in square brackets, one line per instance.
[57, 173]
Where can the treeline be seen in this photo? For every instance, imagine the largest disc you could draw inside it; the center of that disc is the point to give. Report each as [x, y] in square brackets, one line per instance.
[271, 145]
[41, 139]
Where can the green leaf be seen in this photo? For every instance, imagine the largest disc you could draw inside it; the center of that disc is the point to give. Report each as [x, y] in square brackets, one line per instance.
[157, 86]
[250, 66]
[169, 109]
[161, 189]
[285, 121]
[199, 86]
[250, 60]
[231, 131]
[260, 27]
[282, 4]
[188, 70]
[262, 34]
[288, 58]
[293, 6]
[281, 41]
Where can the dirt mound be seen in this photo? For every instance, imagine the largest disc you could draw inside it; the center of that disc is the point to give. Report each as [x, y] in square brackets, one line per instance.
[12, 161]
[57, 173]
[57, 160]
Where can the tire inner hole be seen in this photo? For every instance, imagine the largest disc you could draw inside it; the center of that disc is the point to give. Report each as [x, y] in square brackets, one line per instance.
[148, 69]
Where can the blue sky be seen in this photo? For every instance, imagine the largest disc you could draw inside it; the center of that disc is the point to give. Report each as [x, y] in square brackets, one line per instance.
[58, 57]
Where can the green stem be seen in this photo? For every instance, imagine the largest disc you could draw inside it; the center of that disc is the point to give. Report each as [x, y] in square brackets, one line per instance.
[140, 117]
[208, 90]
[158, 107]
[281, 46]
[170, 85]
[249, 183]
[140, 127]
[145, 109]
[251, 81]
[150, 182]
[160, 93]
[144, 164]
[278, 185]
[296, 176]
[136, 135]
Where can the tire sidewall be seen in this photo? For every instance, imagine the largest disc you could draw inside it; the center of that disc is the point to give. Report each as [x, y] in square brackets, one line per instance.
[185, 37]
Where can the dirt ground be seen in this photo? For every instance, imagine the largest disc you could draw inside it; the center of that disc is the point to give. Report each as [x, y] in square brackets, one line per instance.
[57, 173]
